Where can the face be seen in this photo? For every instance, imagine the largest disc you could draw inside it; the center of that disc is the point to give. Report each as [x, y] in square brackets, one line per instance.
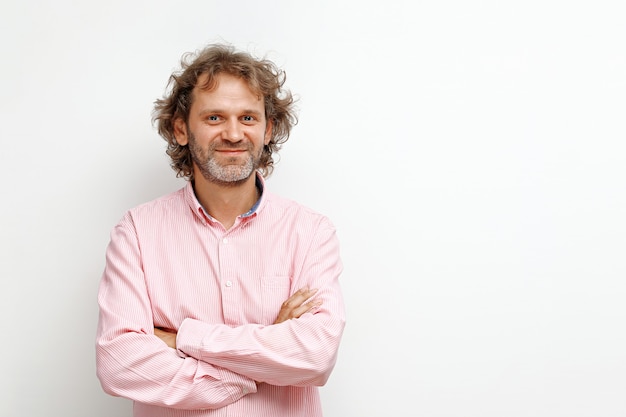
[226, 131]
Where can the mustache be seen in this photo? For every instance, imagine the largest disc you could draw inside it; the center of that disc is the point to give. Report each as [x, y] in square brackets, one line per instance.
[230, 146]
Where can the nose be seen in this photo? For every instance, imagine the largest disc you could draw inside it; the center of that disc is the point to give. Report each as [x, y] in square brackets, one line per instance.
[233, 131]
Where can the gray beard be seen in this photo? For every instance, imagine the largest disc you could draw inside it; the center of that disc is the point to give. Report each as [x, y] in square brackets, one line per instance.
[227, 175]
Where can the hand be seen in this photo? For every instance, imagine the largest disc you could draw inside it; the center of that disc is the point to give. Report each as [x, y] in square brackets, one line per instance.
[168, 336]
[296, 305]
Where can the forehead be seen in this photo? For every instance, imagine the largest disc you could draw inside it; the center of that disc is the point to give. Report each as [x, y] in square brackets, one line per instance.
[225, 83]
[225, 93]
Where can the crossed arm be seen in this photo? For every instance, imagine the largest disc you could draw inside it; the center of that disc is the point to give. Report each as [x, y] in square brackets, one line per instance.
[295, 306]
[213, 364]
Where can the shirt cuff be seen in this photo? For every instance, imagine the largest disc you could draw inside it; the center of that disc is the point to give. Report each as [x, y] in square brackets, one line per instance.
[189, 338]
[188, 344]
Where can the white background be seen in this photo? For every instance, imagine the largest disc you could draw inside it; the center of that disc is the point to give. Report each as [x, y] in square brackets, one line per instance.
[470, 153]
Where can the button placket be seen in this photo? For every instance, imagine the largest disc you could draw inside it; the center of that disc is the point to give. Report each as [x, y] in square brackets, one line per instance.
[230, 294]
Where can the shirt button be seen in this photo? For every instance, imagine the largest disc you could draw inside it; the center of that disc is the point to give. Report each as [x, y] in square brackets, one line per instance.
[229, 283]
[225, 240]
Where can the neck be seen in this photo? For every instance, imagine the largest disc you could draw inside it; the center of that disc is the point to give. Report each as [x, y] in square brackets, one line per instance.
[225, 202]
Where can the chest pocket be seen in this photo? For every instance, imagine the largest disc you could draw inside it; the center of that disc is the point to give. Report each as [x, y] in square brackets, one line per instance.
[274, 292]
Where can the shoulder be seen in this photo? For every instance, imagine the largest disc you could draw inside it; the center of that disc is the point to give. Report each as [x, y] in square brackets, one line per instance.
[293, 212]
[160, 204]
[279, 203]
[158, 209]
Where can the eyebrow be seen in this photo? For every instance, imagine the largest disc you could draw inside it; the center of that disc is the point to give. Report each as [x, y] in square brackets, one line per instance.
[218, 111]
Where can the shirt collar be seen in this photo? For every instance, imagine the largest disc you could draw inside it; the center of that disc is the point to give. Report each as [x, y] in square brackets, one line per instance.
[260, 186]
[192, 200]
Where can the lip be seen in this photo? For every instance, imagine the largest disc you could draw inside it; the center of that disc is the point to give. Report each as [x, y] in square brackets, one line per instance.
[231, 151]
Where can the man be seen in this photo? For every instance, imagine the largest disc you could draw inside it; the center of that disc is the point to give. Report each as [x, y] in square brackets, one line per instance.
[221, 299]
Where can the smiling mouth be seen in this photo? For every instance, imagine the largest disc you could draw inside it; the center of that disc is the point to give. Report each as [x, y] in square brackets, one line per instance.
[231, 151]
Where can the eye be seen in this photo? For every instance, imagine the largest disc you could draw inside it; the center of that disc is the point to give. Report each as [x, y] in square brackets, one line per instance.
[213, 118]
[248, 118]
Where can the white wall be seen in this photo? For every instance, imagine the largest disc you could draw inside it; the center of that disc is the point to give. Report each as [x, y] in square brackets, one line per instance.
[470, 153]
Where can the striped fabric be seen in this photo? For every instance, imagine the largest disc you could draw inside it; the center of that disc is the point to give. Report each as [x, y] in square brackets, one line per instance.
[169, 265]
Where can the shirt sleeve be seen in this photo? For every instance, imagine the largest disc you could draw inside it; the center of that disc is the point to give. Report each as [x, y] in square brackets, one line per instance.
[134, 363]
[297, 352]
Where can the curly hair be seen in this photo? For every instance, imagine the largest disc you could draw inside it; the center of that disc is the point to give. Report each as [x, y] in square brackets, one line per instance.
[263, 77]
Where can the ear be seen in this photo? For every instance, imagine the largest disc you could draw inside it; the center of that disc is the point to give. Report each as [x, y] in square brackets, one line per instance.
[180, 131]
[268, 132]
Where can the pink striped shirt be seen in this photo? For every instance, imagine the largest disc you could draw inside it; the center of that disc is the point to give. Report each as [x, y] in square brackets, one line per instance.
[170, 265]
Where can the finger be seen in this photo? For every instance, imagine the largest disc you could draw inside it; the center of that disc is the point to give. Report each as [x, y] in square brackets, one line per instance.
[296, 301]
[298, 311]
[305, 308]
[299, 297]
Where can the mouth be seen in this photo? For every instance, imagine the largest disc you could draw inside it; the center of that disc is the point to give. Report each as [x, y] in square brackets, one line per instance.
[231, 152]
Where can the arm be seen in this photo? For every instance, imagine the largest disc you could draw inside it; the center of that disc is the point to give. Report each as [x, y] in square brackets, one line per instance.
[292, 308]
[131, 361]
[296, 352]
